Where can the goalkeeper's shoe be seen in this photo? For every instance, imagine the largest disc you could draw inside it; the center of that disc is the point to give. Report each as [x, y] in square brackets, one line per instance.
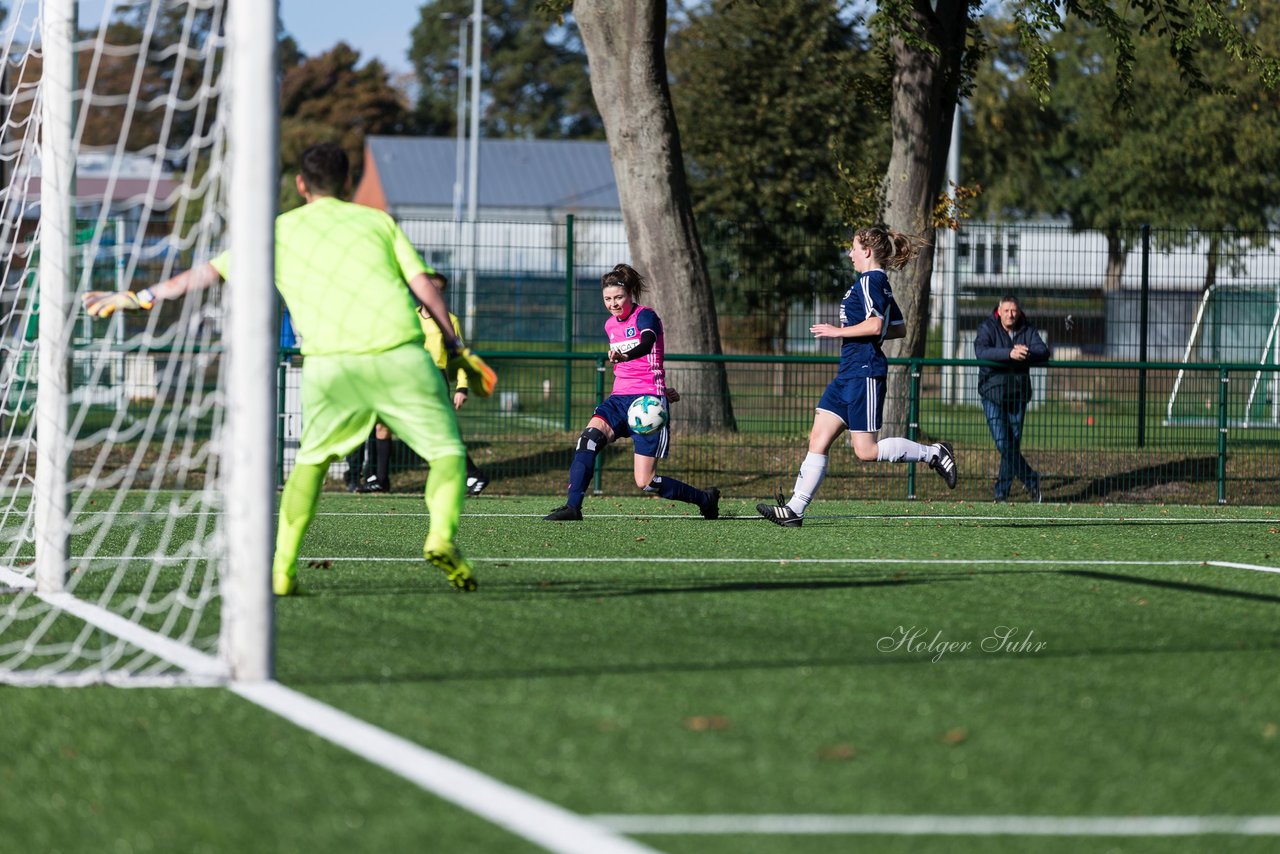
[285, 583]
[454, 566]
[780, 514]
[945, 464]
[480, 376]
[106, 303]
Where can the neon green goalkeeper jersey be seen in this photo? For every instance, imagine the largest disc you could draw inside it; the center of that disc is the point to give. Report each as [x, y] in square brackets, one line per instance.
[343, 270]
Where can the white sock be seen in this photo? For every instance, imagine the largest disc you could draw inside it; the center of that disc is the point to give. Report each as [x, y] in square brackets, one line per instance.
[906, 451]
[812, 471]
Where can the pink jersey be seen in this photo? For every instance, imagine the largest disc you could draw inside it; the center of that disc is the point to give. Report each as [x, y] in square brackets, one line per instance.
[643, 375]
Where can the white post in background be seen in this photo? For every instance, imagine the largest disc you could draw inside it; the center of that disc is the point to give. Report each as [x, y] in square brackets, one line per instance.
[950, 374]
[460, 152]
[57, 224]
[473, 172]
[248, 450]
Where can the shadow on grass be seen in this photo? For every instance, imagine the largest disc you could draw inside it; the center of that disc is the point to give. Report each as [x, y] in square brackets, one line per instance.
[1182, 586]
[1194, 469]
[535, 590]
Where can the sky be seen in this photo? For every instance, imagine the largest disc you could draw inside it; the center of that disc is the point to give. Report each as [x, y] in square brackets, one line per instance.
[317, 25]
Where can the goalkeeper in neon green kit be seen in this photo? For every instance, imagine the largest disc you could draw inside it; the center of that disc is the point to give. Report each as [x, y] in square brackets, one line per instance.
[342, 269]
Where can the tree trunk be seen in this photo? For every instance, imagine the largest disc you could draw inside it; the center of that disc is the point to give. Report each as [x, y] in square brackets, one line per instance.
[625, 47]
[1211, 262]
[1117, 256]
[925, 86]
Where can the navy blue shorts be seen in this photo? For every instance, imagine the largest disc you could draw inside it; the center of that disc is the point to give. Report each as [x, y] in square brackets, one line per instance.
[858, 402]
[614, 411]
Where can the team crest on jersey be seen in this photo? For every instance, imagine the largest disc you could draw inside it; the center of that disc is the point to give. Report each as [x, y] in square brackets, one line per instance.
[631, 332]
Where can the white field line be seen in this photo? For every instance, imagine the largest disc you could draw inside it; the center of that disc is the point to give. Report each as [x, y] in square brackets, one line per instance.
[1252, 566]
[531, 818]
[906, 517]
[946, 825]
[22, 580]
[538, 821]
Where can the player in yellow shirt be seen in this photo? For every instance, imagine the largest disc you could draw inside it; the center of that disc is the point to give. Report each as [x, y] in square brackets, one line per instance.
[435, 343]
[342, 269]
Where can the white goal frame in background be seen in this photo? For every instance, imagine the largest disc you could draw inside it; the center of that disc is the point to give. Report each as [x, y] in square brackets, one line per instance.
[247, 447]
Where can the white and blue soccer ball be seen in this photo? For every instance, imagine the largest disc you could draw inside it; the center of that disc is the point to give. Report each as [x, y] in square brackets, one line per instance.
[647, 414]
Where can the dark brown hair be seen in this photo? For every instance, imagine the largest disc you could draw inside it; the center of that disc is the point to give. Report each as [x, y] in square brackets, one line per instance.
[324, 168]
[624, 276]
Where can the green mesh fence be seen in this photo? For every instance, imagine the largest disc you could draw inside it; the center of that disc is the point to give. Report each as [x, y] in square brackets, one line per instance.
[1163, 385]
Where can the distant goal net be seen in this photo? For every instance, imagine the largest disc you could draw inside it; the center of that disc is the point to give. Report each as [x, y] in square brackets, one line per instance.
[127, 142]
[1235, 325]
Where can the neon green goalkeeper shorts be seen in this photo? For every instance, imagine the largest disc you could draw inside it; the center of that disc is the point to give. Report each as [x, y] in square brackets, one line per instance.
[344, 395]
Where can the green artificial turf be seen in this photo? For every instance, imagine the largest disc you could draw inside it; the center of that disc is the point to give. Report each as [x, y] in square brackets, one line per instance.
[645, 661]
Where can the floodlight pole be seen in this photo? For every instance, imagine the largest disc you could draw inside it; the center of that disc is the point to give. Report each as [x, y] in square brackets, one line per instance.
[473, 171]
[950, 323]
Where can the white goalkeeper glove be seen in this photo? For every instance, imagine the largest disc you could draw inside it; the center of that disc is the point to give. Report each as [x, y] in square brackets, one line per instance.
[105, 303]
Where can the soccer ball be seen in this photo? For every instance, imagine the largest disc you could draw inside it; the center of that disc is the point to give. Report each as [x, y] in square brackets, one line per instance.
[647, 414]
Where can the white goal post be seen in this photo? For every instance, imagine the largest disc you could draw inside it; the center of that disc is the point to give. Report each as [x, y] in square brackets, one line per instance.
[137, 454]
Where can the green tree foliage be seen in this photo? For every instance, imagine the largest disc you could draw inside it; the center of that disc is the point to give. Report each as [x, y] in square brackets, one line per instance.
[772, 103]
[533, 72]
[1201, 152]
[150, 90]
[331, 97]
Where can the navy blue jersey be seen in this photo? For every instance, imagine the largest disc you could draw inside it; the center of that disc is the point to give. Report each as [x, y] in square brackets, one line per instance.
[870, 296]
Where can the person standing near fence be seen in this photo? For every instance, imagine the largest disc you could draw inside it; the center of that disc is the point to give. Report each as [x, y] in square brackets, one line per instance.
[635, 351]
[349, 276]
[1008, 338]
[854, 400]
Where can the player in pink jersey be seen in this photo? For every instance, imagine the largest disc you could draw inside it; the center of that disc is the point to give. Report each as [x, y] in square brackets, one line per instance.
[635, 350]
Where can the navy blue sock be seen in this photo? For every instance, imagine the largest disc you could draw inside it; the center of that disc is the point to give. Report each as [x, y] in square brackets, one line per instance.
[678, 490]
[580, 471]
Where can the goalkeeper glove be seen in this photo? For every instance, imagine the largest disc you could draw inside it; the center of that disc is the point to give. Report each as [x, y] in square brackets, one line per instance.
[105, 303]
[480, 376]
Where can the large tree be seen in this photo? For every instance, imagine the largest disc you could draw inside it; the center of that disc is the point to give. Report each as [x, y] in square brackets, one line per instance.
[786, 160]
[931, 48]
[629, 82]
[534, 74]
[934, 46]
[1185, 157]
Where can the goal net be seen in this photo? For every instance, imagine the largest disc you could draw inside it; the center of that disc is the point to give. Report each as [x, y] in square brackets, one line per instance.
[1234, 325]
[126, 140]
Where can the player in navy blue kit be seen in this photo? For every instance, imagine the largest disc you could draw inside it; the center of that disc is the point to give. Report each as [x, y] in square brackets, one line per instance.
[854, 400]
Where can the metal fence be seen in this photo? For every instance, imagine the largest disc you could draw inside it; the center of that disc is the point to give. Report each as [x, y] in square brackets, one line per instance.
[1163, 385]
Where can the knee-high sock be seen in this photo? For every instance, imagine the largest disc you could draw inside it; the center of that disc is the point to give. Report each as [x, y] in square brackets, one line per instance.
[678, 490]
[446, 489]
[383, 470]
[297, 509]
[473, 470]
[906, 451]
[812, 471]
[580, 471]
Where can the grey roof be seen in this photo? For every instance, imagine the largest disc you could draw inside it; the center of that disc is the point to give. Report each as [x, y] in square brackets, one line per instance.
[514, 173]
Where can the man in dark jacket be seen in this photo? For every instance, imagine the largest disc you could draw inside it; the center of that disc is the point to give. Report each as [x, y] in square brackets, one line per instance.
[1008, 338]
